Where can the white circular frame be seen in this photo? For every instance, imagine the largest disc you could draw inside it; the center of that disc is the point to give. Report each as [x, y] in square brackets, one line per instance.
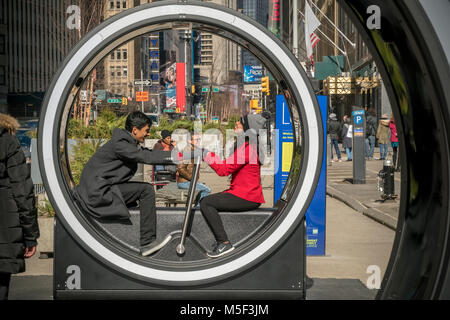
[49, 151]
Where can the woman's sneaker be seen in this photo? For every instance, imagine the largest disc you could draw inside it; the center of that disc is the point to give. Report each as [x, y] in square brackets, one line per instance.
[220, 249]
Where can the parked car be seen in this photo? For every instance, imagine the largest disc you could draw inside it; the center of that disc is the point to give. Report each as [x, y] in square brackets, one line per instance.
[25, 140]
[154, 117]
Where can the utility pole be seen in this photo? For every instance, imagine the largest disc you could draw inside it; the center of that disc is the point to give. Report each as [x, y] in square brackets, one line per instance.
[336, 38]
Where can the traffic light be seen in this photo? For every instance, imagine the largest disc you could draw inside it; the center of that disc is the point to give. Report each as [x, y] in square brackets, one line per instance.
[124, 101]
[254, 106]
[265, 85]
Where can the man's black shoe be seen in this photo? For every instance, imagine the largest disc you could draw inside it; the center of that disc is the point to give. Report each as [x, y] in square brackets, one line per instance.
[220, 250]
[154, 246]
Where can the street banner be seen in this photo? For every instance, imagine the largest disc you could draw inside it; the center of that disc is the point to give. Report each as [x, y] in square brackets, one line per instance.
[316, 213]
[252, 74]
[141, 96]
[284, 146]
[170, 84]
[181, 87]
[284, 150]
[275, 17]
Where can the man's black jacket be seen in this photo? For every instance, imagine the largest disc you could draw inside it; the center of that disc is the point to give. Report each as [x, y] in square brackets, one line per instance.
[114, 163]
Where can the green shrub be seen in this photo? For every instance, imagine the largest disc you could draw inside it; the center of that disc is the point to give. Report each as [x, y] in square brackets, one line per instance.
[90, 138]
[45, 209]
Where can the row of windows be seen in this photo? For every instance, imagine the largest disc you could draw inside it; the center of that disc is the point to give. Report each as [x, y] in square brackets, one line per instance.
[116, 4]
[119, 55]
[119, 72]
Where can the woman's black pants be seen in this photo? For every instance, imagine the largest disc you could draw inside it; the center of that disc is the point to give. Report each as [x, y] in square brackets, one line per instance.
[212, 204]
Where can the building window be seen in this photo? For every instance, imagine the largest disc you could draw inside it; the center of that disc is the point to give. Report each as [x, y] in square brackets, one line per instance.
[125, 72]
[118, 55]
[118, 72]
[111, 5]
[118, 4]
[124, 54]
[124, 4]
[112, 71]
[112, 55]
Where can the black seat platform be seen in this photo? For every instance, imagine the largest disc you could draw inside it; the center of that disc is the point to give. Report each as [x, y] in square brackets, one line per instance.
[239, 226]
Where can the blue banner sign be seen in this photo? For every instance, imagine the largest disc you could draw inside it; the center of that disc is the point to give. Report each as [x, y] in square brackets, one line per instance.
[316, 213]
[284, 147]
[252, 74]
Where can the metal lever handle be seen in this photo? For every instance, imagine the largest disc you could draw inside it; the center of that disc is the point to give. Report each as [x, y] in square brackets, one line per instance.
[180, 248]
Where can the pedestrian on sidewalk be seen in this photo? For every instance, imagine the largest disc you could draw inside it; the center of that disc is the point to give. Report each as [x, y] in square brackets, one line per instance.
[347, 138]
[245, 192]
[383, 135]
[19, 228]
[371, 131]
[186, 170]
[334, 129]
[394, 143]
[165, 144]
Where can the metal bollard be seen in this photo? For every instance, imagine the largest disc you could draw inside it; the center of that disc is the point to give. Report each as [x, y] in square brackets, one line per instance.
[386, 181]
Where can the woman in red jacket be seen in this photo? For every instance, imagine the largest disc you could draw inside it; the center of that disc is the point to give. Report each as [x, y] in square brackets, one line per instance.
[245, 192]
[394, 143]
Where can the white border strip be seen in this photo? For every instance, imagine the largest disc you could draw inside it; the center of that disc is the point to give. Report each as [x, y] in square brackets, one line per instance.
[49, 150]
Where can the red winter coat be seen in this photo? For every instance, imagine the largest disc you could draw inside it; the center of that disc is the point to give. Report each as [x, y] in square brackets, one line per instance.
[244, 168]
[393, 131]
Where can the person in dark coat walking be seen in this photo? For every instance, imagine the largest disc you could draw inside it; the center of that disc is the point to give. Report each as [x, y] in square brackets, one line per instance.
[334, 129]
[371, 132]
[245, 192]
[19, 228]
[105, 191]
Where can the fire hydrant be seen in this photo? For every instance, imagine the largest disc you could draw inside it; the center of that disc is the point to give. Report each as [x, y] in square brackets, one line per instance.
[386, 181]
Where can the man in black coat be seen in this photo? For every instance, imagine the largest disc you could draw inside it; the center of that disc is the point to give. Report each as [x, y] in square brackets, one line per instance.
[105, 191]
[334, 129]
[18, 215]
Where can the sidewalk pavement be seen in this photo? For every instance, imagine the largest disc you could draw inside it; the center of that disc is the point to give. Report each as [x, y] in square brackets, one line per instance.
[364, 198]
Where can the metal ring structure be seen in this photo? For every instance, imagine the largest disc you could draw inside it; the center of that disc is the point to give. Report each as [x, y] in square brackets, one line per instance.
[411, 49]
[148, 18]
[412, 56]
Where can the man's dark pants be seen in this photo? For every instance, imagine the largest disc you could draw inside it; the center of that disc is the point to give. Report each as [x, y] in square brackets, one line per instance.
[144, 192]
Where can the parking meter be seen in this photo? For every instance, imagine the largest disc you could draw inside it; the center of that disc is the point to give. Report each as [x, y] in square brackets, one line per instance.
[359, 135]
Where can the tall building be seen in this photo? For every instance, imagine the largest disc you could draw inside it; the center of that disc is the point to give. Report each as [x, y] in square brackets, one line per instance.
[257, 10]
[34, 40]
[220, 58]
[119, 65]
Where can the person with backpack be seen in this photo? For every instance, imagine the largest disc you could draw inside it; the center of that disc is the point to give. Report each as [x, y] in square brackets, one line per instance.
[371, 131]
[383, 134]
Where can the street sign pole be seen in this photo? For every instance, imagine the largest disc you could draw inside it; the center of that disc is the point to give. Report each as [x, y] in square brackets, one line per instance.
[142, 88]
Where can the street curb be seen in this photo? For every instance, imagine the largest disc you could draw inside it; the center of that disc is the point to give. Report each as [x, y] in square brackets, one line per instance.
[355, 204]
